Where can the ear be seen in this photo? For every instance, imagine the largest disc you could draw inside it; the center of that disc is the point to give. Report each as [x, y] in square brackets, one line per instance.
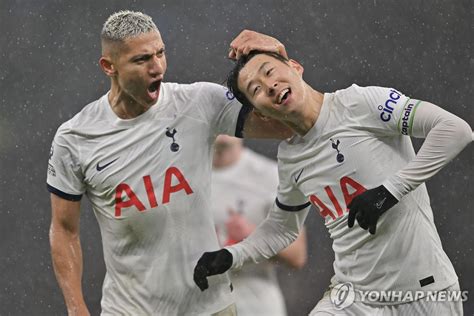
[296, 65]
[107, 66]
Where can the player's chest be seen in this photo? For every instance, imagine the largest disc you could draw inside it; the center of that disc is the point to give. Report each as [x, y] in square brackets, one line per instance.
[147, 158]
[337, 169]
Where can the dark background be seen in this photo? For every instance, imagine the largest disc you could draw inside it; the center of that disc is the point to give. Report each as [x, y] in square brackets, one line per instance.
[49, 71]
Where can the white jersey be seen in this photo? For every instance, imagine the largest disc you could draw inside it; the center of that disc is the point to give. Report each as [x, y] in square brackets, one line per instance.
[248, 187]
[357, 143]
[148, 179]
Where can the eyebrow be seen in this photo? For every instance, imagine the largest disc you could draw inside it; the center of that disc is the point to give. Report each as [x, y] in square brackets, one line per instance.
[259, 70]
[139, 56]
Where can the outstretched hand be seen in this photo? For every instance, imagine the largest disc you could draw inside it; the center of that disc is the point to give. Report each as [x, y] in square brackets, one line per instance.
[211, 263]
[248, 41]
[369, 206]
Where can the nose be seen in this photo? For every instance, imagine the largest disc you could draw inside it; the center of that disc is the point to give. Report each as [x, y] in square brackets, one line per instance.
[271, 88]
[157, 66]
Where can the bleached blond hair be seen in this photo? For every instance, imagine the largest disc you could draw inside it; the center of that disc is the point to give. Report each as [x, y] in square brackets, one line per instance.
[124, 24]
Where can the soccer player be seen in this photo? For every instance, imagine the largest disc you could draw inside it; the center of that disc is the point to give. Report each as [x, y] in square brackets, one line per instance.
[142, 154]
[242, 192]
[352, 158]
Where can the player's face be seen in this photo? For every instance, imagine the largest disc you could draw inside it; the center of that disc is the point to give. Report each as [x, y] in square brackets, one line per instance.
[274, 87]
[140, 66]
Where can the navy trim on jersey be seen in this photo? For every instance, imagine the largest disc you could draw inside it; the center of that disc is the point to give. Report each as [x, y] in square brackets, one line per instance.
[243, 113]
[66, 196]
[288, 208]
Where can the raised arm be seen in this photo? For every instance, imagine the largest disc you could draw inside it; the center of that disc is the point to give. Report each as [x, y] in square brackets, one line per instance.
[249, 40]
[66, 252]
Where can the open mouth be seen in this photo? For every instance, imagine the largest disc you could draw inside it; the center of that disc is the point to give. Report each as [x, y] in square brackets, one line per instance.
[283, 95]
[154, 89]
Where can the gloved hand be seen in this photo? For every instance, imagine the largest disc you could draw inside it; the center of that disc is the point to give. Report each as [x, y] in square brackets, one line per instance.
[368, 206]
[211, 263]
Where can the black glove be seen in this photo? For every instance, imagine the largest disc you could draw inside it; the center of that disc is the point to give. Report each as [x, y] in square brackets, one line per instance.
[211, 263]
[368, 206]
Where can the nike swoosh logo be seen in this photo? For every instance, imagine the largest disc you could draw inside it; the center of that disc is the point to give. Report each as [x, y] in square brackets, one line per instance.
[297, 178]
[379, 205]
[100, 168]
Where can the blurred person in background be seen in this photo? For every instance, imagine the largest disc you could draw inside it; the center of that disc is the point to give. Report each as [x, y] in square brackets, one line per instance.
[242, 192]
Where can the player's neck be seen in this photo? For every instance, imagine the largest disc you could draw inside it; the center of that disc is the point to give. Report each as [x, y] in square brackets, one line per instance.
[123, 105]
[309, 114]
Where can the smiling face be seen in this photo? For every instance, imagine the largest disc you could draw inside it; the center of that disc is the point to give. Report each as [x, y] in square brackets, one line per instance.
[137, 66]
[274, 87]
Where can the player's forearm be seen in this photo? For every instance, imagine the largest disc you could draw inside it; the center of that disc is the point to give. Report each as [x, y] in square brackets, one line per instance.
[66, 254]
[296, 254]
[275, 233]
[446, 136]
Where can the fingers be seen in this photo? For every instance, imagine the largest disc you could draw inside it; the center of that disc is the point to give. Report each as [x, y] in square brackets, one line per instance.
[232, 54]
[200, 277]
[373, 228]
[362, 220]
[248, 40]
[352, 215]
[236, 52]
[211, 263]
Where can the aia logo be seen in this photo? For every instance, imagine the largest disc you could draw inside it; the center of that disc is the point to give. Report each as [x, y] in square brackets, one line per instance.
[174, 147]
[349, 188]
[335, 145]
[174, 182]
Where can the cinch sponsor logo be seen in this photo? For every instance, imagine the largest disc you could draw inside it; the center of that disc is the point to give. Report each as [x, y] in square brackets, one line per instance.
[389, 105]
[406, 117]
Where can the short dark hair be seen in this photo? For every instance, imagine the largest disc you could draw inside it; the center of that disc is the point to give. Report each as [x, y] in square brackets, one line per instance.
[233, 77]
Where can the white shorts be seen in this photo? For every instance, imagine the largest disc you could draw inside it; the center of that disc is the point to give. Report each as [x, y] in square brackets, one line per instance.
[325, 307]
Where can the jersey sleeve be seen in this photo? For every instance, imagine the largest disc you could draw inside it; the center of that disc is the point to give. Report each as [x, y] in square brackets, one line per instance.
[445, 135]
[289, 197]
[388, 112]
[65, 177]
[384, 111]
[222, 110]
[274, 234]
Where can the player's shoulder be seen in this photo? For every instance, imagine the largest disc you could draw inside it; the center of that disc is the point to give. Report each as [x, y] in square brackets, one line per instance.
[89, 116]
[351, 94]
[356, 94]
[200, 88]
[198, 98]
